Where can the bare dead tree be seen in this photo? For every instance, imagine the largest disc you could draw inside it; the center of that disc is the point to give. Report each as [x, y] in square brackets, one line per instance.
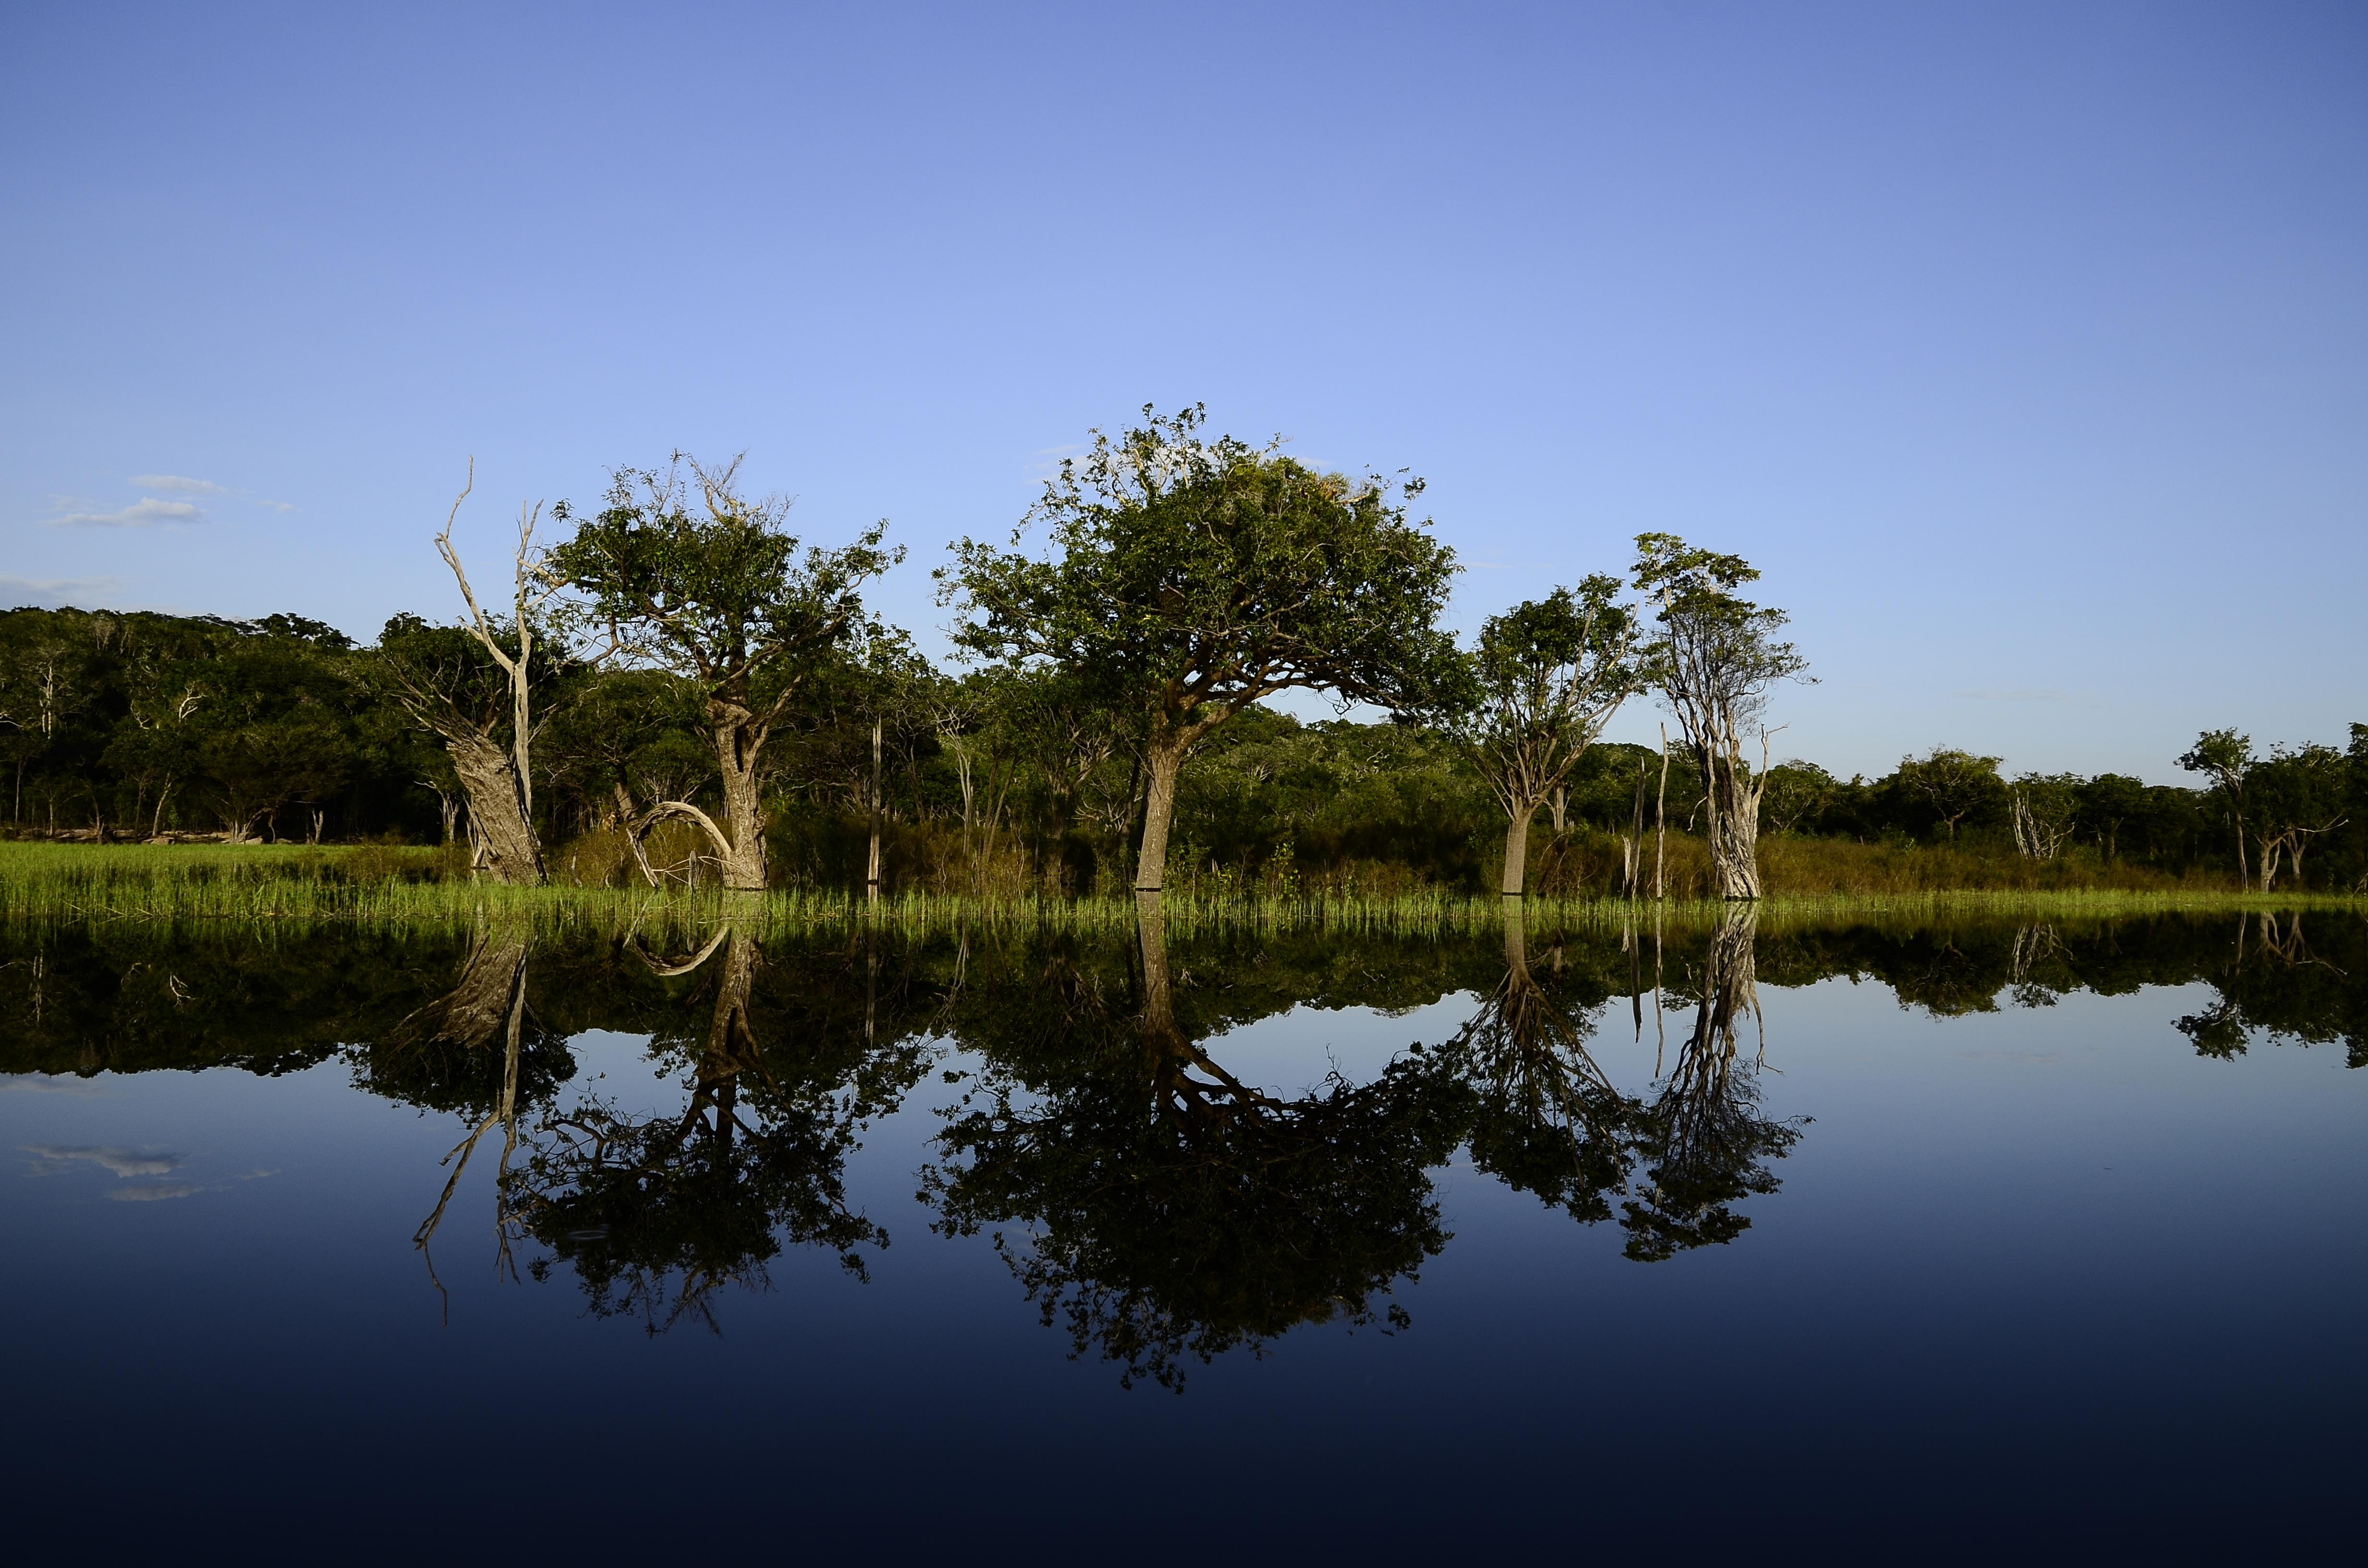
[509, 827]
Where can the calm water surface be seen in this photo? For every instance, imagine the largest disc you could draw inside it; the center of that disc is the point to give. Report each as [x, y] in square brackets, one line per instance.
[1857, 1243]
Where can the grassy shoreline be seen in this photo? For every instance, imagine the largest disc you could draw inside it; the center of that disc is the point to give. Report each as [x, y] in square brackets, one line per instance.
[47, 885]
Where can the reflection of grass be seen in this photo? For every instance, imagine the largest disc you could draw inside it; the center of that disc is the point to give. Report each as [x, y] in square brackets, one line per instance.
[382, 884]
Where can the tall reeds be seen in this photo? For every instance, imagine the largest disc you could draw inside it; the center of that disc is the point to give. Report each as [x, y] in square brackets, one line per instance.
[48, 884]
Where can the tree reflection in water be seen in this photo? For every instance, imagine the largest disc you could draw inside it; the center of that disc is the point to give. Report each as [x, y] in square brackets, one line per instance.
[449, 1045]
[1160, 1208]
[1701, 1138]
[1545, 1119]
[655, 1214]
[1173, 1213]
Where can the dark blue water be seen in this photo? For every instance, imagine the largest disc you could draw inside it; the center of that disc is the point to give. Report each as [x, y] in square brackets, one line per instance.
[2059, 1258]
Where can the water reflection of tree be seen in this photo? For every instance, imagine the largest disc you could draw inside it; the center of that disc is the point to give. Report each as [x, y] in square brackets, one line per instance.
[466, 1050]
[1173, 1213]
[2274, 981]
[655, 1214]
[1545, 1119]
[1702, 1138]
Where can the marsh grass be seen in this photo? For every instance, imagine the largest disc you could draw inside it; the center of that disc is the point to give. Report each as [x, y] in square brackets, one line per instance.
[293, 886]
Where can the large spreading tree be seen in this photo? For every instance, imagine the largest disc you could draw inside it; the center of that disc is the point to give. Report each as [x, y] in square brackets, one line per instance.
[692, 576]
[1188, 579]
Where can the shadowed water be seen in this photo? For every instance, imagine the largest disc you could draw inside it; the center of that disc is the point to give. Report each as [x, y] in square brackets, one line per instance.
[1902, 1242]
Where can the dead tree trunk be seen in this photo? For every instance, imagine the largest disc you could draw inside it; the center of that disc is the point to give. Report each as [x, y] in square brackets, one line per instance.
[508, 836]
[497, 817]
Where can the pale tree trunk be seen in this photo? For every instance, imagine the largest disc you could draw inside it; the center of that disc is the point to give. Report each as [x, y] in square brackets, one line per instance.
[1734, 830]
[1166, 760]
[1517, 850]
[1730, 984]
[730, 1041]
[872, 869]
[1661, 824]
[496, 810]
[743, 852]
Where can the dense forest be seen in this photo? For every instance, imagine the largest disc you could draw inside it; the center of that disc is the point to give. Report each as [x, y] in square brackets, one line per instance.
[695, 699]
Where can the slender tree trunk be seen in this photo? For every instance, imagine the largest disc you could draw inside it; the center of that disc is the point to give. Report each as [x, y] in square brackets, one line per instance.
[1166, 760]
[1661, 824]
[1517, 849]
[872, 876]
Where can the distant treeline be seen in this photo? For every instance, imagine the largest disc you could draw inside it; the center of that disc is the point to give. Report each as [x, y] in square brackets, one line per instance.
[134, 725]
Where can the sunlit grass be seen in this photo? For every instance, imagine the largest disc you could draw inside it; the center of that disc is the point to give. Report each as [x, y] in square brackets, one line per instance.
[370, 884]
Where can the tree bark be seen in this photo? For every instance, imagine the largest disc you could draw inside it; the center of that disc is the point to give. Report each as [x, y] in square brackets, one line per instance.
[1517, 850]
[496, 807]
[1734, 830]
[1166, 760]
[744, 810]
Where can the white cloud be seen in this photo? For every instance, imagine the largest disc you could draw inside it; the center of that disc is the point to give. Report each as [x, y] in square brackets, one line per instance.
[145, 513]
[178, 485]
[60, 587]
[122, 1161]
[45, 1083]
[149, 1191]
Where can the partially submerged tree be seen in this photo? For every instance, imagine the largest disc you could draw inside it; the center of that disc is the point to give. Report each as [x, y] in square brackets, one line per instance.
[1715, 664]
[1545, 678]
[1192, 578]
[713, 588]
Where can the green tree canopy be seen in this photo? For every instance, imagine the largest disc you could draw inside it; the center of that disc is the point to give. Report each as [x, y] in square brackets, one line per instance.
[1188, 579]
[712, 586]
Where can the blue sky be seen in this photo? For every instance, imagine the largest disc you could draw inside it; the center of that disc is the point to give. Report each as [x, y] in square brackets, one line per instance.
[2025, 347]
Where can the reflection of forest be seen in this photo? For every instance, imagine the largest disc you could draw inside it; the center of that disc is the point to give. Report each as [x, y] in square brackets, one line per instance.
[1148, 1201]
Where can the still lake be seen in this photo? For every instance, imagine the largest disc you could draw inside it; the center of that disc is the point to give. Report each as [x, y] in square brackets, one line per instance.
[1860, 1241]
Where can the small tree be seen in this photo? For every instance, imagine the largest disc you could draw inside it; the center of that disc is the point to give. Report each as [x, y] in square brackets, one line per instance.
[2226, 757]
[2045, 809]
[1547, 677]
[1795, 792]
[1954, 783]
[714, 589]
[1194, 578]
[1716, 662]
[2296, 796]
[2106, 802]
